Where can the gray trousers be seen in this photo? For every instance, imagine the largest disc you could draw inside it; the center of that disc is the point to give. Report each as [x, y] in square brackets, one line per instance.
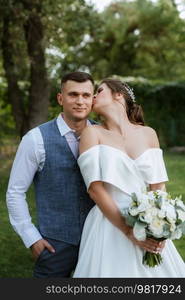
[60, 264]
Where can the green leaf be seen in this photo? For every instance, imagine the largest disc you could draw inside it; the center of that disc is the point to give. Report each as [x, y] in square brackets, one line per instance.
[139, 231]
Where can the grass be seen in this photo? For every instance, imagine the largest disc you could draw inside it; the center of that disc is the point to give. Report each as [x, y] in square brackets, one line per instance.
[16, 261]
[176, 186]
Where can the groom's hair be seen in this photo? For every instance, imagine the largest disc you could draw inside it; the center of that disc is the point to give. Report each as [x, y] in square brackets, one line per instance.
[76, 76]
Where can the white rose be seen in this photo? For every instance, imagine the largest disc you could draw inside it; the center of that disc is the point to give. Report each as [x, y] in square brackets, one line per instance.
[154, 211]
[156, 227]
[170, 213]
[169, 210]
[142, 198]
[148, 215]
[161, 213]
[135, 210]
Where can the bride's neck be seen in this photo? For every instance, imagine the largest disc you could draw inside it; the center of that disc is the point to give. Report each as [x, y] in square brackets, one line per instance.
[116, 122]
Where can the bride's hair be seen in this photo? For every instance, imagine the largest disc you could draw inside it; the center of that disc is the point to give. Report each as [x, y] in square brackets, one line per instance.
[134, 110]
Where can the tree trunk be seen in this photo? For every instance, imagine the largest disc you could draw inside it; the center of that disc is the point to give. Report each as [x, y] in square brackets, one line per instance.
[37, 110]
[39, 88]
[14, 92]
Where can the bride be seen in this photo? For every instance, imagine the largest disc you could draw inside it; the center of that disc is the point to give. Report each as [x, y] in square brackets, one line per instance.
[117, 158]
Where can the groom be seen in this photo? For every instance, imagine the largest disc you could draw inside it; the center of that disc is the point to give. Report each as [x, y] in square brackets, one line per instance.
[47, 156]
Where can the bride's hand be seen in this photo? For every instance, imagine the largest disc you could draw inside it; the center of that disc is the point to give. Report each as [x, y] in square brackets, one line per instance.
[150, 245]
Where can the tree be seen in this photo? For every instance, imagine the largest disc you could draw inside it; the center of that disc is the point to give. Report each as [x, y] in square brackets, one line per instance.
[41, 40]
[139, 38]
[29, 27]
[23, 19]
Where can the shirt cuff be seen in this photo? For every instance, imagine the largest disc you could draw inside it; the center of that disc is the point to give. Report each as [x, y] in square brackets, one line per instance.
[31, 236]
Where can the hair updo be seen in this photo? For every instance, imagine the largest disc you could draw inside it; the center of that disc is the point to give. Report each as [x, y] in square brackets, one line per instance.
[134, 110]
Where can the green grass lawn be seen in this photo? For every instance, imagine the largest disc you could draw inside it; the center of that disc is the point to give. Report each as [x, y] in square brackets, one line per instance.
[176, 186]
[16, 261]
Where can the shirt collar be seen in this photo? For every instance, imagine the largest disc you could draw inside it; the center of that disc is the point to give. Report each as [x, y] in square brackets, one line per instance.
[63, 127]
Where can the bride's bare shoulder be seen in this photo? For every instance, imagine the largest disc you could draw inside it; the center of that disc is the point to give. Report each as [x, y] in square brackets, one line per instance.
[90, 130]
[89, 138]
[151, 136]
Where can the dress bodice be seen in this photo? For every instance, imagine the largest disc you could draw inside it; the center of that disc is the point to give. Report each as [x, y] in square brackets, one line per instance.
[111, 165]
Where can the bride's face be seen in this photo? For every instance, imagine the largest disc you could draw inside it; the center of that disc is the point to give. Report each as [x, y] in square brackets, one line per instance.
[102, 98]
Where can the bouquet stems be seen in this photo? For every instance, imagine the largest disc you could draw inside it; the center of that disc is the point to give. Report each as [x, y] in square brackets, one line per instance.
[152, 259]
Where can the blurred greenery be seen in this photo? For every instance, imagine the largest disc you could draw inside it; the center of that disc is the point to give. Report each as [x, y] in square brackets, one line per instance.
[139, 39]
[176, 171]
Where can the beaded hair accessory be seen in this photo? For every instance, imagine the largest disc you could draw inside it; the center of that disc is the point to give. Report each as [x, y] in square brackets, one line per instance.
[129, 91]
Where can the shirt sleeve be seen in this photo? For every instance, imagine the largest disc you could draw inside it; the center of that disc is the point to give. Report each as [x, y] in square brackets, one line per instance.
[25, 165]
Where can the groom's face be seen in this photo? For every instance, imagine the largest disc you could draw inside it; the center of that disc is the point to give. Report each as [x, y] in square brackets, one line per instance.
[76, 99]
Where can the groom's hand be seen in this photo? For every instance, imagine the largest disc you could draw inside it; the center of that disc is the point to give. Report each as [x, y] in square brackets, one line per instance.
[39, 246]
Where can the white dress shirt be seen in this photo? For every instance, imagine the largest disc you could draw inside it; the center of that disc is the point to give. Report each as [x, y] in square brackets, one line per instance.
[30, 158]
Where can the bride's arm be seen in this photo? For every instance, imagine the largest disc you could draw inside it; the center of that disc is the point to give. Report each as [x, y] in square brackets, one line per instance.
[157, 186]
[109, 208]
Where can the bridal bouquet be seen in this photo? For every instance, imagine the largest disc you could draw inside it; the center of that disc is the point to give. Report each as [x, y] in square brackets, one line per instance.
[155, 214]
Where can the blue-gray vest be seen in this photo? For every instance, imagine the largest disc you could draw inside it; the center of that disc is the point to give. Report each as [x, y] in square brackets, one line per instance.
[61, 198]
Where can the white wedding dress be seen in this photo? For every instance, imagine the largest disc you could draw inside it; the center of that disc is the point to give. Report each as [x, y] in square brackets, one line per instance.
[104, 250]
